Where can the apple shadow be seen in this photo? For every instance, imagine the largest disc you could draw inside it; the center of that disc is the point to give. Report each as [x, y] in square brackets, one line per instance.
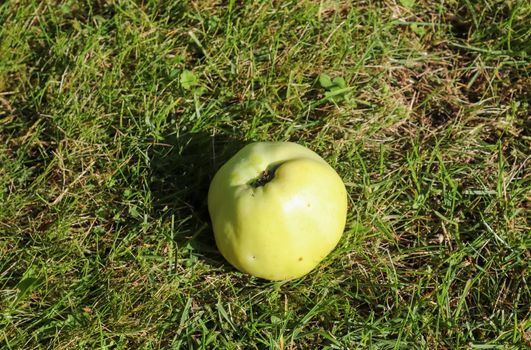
[182, 167]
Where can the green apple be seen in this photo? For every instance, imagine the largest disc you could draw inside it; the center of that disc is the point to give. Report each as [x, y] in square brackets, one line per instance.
[277, 209]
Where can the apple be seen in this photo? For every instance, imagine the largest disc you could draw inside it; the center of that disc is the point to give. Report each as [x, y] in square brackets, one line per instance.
[277, 210]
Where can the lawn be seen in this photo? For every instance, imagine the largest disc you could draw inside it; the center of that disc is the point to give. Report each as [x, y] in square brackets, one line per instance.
[115, 114]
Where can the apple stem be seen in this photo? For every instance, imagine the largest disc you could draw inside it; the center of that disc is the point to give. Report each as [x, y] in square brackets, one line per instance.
[266, 176]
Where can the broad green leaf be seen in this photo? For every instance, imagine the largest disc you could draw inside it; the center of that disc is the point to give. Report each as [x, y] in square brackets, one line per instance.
[325, 80]
[188, 80]
[340, 82]
[407, 3]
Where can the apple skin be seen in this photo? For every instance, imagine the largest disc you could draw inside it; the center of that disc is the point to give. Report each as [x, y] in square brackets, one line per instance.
[284, 228]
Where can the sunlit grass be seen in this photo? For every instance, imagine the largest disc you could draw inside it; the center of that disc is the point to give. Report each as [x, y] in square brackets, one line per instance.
[114, 115]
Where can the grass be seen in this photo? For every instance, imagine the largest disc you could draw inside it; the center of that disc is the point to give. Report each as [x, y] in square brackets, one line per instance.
[114, 115]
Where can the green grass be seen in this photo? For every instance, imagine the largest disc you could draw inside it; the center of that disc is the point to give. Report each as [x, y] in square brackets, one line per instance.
[114, 115]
